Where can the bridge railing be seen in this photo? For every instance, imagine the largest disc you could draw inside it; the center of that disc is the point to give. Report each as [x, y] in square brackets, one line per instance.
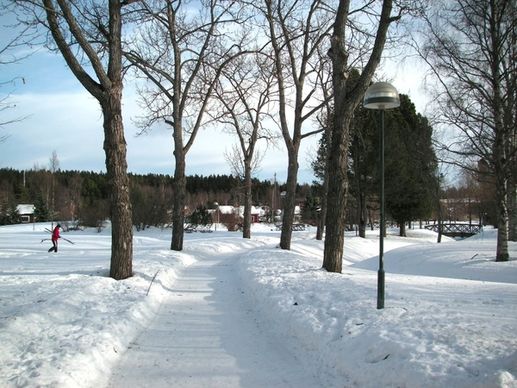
[456, 229]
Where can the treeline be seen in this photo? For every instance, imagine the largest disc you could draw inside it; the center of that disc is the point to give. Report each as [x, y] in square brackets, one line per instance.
[83, 196]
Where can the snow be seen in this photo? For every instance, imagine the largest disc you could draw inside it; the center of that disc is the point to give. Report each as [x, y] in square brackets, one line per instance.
[226, 209]
[233, 312]
[25, 209]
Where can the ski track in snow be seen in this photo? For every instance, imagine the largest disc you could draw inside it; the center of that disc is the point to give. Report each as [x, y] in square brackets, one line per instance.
[206, 335]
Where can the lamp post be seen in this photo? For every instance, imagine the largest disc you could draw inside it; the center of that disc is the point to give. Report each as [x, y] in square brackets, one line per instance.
[381, 96]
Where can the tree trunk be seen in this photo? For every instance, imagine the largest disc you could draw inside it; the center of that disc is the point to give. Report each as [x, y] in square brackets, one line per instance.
[362, 215]
[115, 149]
[180, 193]
[246, 228]
[512, 209]
[323, 212]
[402, 230]
[337, 192]
[344, 106]
[289, 201]
[107, 89]
[120, 204]
[439, 238]
[325, 188]
[500, 167]
[502, 253]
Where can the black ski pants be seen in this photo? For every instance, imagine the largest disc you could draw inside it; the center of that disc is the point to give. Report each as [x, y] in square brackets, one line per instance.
[54, 248]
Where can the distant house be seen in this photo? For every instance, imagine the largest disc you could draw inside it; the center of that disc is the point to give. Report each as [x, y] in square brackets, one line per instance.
[228, 214]
[256, 213]
[297, 214]
[226, 209]
[26, 212]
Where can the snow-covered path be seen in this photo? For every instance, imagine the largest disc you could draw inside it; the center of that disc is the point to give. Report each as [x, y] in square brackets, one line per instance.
[206, 335]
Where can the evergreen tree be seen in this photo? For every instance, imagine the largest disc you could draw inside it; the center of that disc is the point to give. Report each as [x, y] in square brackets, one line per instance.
[363, 163]
[9, 213]
[311, 209]
[410, 164]
[41, 212]
[320, 163]
[200, 216]
[13, 216]
[410, 169]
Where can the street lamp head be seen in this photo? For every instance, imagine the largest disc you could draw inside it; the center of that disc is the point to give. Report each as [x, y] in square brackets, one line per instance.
[381, 95]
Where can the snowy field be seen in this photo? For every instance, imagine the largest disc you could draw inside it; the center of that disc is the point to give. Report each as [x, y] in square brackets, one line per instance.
[450, 318]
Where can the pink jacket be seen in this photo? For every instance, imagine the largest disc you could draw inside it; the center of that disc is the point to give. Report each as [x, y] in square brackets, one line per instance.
[55, 234]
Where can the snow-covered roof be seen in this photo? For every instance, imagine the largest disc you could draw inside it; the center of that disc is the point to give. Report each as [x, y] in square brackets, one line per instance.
[226, 209]
[257, 210]
[254, 211]
[25, 209]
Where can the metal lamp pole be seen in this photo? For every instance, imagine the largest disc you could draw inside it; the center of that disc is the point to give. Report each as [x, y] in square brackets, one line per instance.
[382, 227]
[381, 96]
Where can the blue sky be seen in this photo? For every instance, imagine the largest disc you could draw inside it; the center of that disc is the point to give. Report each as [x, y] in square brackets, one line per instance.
[61, 116]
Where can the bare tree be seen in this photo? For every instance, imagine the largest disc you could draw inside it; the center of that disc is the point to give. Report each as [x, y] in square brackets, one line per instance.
[5, 104]
[325, 84]
[181, 53]
[346, 99]
[245, 93]
[472, 52]
[8, 56]
[53, 167]
[297, 30]
[234, 158]
[88, 35]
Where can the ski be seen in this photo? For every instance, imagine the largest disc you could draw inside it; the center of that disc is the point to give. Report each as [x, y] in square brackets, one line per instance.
[62, 238]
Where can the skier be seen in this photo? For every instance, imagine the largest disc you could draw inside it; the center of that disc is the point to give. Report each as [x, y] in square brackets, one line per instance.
[55, 236]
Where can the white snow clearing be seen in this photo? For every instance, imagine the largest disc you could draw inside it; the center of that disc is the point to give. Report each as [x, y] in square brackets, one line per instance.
[207, 335]
[241, 313]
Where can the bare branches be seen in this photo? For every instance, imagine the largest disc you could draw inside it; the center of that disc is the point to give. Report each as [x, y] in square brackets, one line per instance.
[237, 166]
[10, 54]
[474, 63]
[246, 95]
[181, 56]
[298, 31]
[6, 104]
[75, 66]
[7, 54]
[471, 52]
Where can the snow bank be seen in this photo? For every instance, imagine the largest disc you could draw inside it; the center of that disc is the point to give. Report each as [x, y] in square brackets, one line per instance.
[450, 316]
[64, 322]
[449, 320]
